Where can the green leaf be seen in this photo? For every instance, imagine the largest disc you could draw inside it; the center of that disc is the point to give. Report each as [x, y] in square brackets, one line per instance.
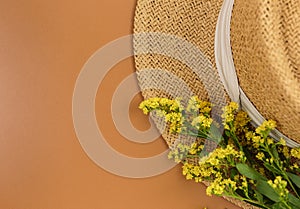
[227, 133]
[215, 133]
[278, 205]
[295, 179]
[275, 152]
[259, 197]
[264, 188]
[233, 173]
[249, 172]
[294, 201]
[272, 169]
[249, 155]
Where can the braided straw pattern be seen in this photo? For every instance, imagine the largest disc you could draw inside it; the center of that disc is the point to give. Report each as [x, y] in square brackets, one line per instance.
[166, 67]
[265, 39]
[165, 23]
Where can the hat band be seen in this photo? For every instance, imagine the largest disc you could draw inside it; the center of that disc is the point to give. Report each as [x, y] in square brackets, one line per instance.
[227, 72]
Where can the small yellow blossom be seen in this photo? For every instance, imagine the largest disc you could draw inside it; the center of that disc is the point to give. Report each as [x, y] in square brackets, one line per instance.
[218, 186]
[265, 127]
[295, 152]
[279, 185]
[240, 122]
[201, 121]
[260, 156]
[270, 141]
[286, 152]
[295, 166]
[282, 142]
[198, 106]
[228, 115]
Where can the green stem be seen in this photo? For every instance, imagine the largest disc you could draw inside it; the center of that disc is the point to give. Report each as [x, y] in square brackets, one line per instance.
[290, 183]
[246, 199]
[236, 141]
[279, 166]
[286, 204]
[196, 135]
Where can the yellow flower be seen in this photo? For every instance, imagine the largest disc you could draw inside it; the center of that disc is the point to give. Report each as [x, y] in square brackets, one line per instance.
[241, 121]
[270, 141]
[194, 148]
[244, 182]
[295, 152]
[176, 120]
[249, 135]
[265, 127]
[295, 166]
[229, 113]
[219, 185]
[215, 188]
[213, 161]
[198, 106]
[260, 156]
[164, 104]
[279, 186]
[201, 121]
[256, 139]
[282, 142]
[286, 152]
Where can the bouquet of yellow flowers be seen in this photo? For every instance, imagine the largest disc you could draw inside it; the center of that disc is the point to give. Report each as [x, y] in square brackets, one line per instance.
[237, 159]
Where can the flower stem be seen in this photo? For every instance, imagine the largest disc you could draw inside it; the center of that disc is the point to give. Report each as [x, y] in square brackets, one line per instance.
[247, 200]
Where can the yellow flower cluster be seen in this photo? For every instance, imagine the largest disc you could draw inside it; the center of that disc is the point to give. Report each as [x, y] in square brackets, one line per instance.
[228, 115]
[219, 186]
[260, 137]
[215, 157]
[255, 139]
[179, 153]
[164, 104]
[192, 172]
[295, 152]
[195, 148]
[279, 186]
[244, 184]
[228, 168]
[197, 106]
[212, 167]
[202, 122]
[170, 109]
[264, 129]
[241, 121]
[175, 120]
[286, 152]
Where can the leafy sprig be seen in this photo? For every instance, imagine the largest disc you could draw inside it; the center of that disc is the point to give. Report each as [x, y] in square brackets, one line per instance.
[238, 160]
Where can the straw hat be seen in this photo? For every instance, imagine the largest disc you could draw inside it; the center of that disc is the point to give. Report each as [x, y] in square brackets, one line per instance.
[254, 56]
[244, 51]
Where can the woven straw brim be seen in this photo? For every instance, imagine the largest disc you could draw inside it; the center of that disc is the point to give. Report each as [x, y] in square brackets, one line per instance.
[157, 23]
[265, 40]
[193, 21]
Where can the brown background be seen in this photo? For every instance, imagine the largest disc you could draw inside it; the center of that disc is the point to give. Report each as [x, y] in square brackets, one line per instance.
[43, 46]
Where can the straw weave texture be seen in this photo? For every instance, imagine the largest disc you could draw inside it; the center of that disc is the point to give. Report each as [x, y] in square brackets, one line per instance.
[265, 40]
[193, 21]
